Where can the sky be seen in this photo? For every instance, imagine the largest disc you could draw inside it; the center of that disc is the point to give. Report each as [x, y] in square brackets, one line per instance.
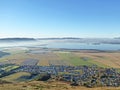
[60, 18]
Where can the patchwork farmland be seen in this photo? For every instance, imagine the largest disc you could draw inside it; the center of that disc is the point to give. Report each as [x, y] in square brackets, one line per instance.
[25, 65]
[64, 57]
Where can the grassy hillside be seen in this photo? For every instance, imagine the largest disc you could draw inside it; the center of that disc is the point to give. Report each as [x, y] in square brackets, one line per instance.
[38, 85]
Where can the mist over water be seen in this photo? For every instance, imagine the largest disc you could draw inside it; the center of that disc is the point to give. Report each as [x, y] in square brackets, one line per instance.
[60, 44]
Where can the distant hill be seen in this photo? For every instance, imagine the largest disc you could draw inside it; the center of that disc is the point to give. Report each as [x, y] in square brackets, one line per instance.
[117, 38]
[58, 38]
[16, 39]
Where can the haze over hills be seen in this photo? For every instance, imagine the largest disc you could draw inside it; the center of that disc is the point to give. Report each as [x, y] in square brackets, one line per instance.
[68, 39]
[16, 39]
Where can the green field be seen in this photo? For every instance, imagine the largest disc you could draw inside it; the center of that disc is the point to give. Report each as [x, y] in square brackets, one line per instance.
[76, 61]
[8, 68]
[16, 77]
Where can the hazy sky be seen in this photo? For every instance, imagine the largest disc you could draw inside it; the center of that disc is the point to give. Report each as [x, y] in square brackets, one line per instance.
[59, 18]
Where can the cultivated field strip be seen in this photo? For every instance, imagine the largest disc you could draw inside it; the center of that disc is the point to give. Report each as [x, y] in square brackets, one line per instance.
[9, 62]
[58, 62]
[30, 62]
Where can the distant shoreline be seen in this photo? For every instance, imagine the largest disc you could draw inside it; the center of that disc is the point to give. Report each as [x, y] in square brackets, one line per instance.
[78, 50]
[65, 49]
[85, 50]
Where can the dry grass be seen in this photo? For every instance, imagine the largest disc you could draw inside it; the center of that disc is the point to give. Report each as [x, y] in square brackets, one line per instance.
[36, 85]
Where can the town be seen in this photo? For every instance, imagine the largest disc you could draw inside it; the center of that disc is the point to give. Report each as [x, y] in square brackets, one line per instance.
[89, 76]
